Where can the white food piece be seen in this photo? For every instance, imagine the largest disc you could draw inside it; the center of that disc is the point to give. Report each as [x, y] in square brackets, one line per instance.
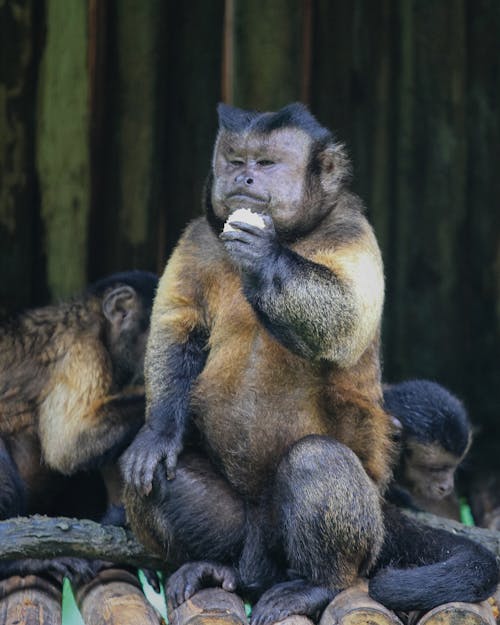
[245, 215]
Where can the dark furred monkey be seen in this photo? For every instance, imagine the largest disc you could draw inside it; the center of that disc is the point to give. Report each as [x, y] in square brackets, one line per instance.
[434, 439]
[71, 393]
[262, 374]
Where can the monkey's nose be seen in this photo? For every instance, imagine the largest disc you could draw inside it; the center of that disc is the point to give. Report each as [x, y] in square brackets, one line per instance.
[444, 489]
[248, 180]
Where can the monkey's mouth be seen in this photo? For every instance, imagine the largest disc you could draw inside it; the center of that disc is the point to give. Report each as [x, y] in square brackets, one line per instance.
[245, 200]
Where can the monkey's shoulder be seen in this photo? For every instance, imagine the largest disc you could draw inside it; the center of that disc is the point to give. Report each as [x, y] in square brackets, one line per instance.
[344, 231]
[197, 264]
[347, 223]
[200, 240]
[33, 330]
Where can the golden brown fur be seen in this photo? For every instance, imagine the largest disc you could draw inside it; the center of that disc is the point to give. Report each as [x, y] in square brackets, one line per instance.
[263, 359]
[69, 398]
[248, 372]
[265, 449]
[55, 374]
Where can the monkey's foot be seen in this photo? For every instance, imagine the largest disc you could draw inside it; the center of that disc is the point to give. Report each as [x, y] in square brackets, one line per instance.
[193, 576]
[288, 598]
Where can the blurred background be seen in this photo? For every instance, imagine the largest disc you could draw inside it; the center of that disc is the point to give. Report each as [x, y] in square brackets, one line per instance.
[107, 120]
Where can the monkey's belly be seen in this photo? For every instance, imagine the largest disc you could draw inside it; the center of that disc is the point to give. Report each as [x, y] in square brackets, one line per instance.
[248, 429]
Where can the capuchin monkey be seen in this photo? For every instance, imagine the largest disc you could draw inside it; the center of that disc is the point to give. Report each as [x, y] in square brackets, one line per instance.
[266, 447]
[71, 400]
[435, 435]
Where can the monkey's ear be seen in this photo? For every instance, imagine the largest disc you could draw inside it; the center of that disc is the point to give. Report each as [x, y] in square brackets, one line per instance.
[119, 304]
[335, 166]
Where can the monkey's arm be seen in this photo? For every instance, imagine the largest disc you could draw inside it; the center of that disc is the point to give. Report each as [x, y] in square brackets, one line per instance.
[327, 307]
[175, 356]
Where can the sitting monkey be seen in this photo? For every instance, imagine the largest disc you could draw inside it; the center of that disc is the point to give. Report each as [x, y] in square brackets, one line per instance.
[266, 448]
[71, 400]
[435, 435]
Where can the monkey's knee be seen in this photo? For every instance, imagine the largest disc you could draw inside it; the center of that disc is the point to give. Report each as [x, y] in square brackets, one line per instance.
[329, 511]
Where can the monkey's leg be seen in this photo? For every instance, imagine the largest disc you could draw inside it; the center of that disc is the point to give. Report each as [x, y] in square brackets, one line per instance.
[195, 516]
[329, 514]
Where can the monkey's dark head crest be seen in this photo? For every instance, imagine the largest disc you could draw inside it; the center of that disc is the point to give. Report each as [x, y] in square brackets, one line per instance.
[294, 115]
[430, 413]
[144, 282]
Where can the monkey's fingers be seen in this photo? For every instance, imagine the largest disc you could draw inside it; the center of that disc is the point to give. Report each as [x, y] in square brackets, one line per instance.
[237, 235]
[193, 576]
[129, 466]
[226, 577]
[244, 227]
[171, 463]
[77, 570]
[145, 472]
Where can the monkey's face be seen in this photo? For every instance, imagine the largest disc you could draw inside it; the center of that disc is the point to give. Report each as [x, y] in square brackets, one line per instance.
[430, 470]
[267, 173]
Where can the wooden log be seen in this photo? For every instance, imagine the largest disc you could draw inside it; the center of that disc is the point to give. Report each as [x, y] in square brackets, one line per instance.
[115, 597]
[211, 606]
[354, 607]
[462, 613]
[494, 603]
[295, 619]
[43, 537]
[29, 600]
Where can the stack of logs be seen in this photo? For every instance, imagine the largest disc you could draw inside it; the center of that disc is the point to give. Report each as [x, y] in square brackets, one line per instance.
[114, 597]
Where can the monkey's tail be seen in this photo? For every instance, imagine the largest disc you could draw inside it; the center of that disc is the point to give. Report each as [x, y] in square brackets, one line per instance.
[428, 567]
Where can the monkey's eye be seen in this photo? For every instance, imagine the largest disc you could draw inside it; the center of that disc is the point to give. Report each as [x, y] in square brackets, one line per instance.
[236, 162]
[265, 163]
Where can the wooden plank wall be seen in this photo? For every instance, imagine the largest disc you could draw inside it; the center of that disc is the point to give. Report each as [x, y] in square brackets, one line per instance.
[107, 118]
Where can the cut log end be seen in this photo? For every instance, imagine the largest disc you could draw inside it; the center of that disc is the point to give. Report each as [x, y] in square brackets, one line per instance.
[211, 606]
[355, 607]
[29, 600]
[115, 596]
[462, 613]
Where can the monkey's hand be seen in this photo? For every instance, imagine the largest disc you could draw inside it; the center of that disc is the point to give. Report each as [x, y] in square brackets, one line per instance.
[147, 451]
[251, 248]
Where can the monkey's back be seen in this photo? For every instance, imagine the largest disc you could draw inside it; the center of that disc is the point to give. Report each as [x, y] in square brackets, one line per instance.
[31, 345]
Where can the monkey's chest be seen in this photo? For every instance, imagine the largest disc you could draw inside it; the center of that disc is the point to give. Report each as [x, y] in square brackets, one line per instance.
[252, 401]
